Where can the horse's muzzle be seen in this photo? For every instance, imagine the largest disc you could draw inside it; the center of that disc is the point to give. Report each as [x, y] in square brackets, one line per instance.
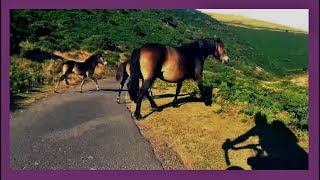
[225, 60]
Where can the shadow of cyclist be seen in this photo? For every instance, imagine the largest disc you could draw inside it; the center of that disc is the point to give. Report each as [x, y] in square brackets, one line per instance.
[277, 141]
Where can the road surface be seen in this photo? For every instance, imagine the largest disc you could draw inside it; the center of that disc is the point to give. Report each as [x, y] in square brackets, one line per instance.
[73, 130]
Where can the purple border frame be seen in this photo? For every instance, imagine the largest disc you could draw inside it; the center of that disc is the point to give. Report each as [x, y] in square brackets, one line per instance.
[312, 5]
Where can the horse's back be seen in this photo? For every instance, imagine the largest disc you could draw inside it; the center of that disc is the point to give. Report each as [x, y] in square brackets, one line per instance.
[74, 67]
[166, 60]
[173, 67]
[67, 66]
[151, 58]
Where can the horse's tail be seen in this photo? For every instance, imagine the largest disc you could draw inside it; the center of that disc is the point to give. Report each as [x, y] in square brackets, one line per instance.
[133, 85]
[121, 69]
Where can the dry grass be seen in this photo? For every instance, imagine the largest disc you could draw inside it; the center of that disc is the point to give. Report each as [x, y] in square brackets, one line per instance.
[301, 80]
[192, 135]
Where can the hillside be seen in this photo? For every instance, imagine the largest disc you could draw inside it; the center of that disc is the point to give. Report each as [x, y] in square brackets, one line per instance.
[124, 30]
[242, 21]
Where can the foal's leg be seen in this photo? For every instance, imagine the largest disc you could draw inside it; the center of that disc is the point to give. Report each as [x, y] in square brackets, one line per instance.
[66, 80]
[124, 78]
[143, 92]
[83, 81]
[95, 80]
[60, 79]
[175, 103]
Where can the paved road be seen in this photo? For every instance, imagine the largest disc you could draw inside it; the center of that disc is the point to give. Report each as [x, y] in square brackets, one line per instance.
[73, 130]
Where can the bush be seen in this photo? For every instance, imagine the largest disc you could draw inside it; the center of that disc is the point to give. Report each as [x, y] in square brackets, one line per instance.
[288, 103]
[20, 81]
[98, 42]
[112, 59]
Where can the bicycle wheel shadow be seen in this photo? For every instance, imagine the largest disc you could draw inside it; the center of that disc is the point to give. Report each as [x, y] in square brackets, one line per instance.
[278, 147]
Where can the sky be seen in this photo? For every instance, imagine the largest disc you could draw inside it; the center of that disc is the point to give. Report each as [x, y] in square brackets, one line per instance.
[296, 18]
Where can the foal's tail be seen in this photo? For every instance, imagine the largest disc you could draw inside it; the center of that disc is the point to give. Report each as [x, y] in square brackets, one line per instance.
[133, 85]
[121, 69]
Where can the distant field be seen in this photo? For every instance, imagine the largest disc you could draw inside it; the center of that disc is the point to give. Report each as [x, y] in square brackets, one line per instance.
[280, 49]
[253, 23]
[283, 50]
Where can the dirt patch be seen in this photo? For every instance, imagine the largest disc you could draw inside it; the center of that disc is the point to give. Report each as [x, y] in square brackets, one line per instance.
[301, 80]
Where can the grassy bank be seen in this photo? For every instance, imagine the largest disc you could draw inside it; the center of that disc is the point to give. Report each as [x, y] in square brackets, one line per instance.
[194, 133]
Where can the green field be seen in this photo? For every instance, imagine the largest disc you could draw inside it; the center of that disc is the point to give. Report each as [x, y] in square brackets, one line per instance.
[282, 53]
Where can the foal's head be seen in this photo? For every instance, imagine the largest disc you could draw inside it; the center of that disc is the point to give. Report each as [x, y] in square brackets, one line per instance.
[97, 58]
[216, 48]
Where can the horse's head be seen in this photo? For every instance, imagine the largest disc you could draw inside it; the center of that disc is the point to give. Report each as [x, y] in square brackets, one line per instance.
[219, 51]
[96, 58]
[101, 60]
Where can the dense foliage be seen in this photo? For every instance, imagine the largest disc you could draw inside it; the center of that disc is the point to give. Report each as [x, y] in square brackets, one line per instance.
[122, 30]
[273, 99]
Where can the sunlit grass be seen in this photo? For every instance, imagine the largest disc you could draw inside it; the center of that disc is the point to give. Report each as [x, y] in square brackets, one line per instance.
[195, 133]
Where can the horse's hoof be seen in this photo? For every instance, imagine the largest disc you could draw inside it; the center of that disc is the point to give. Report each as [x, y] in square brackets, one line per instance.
[137, 116]
[118, 101]
[175, 105]
[155, 109]
[98, 89]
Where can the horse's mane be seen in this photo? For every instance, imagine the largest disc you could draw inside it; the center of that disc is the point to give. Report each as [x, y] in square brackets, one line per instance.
[92, 57]
[196, 44]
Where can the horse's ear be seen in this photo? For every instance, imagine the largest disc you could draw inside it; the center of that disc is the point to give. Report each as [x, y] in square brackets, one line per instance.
[219, 40]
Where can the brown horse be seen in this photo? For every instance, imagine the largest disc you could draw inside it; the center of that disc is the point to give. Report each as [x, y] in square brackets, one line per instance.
[81, 68]
[123, 72]
[171, 64]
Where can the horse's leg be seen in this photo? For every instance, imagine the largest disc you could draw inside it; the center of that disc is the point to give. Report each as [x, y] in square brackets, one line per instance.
[143, 92]
[152, 103]
[66, 80]
[200, 85]
[150, 91]
[60, 79]
[124, 78]
[175, 103]
[95, 80]
[83, 81]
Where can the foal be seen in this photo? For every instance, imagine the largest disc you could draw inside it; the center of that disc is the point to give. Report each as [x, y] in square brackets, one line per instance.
[84, 69]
